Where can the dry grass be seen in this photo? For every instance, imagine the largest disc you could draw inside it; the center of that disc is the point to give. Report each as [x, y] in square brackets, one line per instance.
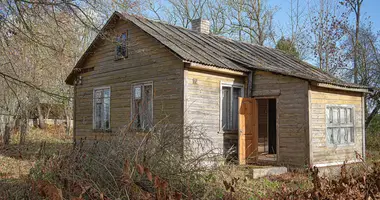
[76, 173]
[16, 160]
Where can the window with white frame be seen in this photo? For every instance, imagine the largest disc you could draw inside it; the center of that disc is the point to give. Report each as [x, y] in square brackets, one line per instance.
[142, 105]
[101, 108]
[229, 101]
[340, 125]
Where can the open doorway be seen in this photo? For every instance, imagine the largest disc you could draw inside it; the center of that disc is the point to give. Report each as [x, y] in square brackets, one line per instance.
[267, 140]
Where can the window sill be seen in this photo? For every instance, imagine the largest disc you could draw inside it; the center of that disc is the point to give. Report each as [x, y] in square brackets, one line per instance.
[117, 58]
[229, 131]
[341, 145]
[102, 130]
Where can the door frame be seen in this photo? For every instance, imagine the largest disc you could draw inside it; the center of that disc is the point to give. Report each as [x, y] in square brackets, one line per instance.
[277, 123]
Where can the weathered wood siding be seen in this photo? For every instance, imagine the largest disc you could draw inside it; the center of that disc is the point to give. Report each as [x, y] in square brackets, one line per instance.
[321, 152]
[148, 60]
[202, 105]
[292, 120]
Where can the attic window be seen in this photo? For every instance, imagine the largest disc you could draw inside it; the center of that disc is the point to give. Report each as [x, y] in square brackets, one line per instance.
[121, 46]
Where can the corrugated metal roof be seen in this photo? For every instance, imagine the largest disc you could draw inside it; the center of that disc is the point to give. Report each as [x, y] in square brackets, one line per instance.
[225, 53]
[222, 52]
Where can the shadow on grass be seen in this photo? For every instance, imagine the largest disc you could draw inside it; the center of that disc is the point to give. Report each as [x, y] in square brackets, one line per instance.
[33, 150]
[16, 189]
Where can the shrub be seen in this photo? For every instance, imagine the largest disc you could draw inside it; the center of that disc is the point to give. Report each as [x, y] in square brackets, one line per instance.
[138, 164]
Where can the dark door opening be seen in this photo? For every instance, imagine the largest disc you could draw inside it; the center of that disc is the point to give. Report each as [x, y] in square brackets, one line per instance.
[272, 126]
[267, 136]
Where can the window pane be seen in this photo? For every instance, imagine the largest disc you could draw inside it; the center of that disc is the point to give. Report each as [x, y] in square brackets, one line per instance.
[106, 116]
[106, 93]
[147, 107]
[335, 116]
[98, 115]
[235, 107]
[340, 132]
[330, 137]
[335, 135]
[352, 135]
[98, 96]
[344, 135]
[329, 115]
[226, 99]
[342, 115]
[349, 118]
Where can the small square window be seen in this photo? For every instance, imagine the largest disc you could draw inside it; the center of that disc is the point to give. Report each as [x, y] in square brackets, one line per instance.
[340, 126]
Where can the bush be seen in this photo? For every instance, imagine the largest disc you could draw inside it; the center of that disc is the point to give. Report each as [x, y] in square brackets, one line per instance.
[132, 165]
[373, 135]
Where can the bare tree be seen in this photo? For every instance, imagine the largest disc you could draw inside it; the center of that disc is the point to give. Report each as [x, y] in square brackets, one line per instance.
[253, 20]
[298, 28]
[355, 6]
[327, 20]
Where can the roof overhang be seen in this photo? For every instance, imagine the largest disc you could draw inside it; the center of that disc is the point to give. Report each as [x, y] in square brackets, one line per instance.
[210, 68]
[336, 87]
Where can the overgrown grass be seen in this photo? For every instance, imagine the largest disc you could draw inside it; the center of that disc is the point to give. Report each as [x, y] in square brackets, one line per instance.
[17, 160]
[373, 140]
[143, 166]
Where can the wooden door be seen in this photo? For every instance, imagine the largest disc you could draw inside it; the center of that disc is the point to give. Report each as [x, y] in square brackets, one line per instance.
[248, 130]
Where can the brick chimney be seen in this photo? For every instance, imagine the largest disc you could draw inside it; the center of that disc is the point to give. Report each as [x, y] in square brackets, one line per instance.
[201, 25]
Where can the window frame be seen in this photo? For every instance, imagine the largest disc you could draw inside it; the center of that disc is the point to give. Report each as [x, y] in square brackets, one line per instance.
[118, 57]
[132, 101]
[94, 109]
[352, 107]
[242, 93]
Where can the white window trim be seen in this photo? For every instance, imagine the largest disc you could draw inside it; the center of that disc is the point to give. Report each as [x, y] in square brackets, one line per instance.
[353, 122]
[227, 84]
[93, 106]
[131, 98]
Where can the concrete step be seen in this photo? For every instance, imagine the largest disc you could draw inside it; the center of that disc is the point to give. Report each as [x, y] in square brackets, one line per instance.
[266, 171]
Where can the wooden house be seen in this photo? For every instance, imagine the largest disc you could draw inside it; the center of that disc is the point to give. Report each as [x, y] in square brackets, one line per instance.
[269, 106]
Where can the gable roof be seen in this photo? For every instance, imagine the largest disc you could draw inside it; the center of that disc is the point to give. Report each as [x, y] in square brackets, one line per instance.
[217, 51]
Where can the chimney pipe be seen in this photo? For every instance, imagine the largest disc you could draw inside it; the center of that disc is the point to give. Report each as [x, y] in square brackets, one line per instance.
[201, 25]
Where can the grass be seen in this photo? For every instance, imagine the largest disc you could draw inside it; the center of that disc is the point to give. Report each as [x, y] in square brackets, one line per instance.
[16, 160]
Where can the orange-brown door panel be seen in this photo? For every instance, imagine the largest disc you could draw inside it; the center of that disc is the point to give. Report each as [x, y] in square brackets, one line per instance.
[248, 130]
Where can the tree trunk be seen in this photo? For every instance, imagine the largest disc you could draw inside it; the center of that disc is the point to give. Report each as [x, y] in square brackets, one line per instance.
[41, 120]
[23, 130]
[68, 124]
[356, 46]
[7, 134]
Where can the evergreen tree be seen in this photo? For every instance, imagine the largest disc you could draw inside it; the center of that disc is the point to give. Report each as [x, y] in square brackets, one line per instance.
[287, 46]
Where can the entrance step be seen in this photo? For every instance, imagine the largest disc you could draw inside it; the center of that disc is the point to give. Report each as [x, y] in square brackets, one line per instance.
[267, 171]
